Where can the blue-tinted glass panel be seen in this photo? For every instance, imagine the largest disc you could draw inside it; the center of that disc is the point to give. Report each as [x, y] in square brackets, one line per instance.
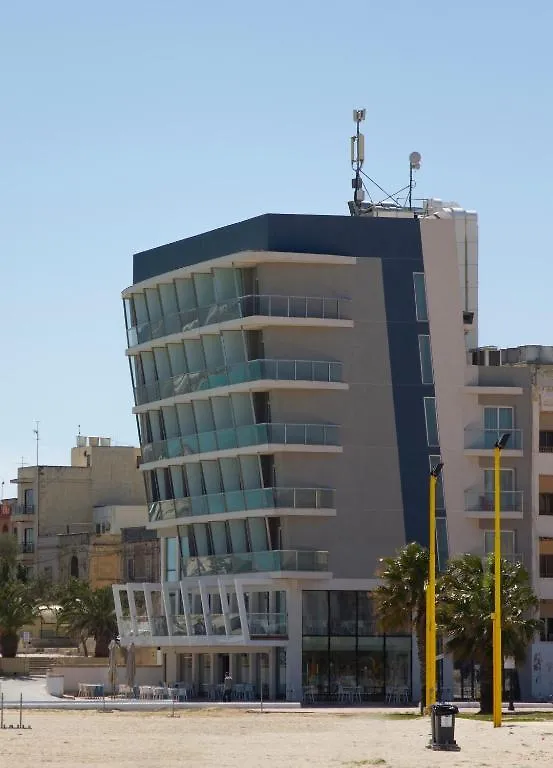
[425, 352]
[431, 421]
[420, 297]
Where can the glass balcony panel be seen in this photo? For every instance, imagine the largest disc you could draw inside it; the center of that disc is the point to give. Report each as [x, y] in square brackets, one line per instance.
[174, 447]
[335, 370]
[277, 560]
[320, 371]
[298, 306]
[235, 501]
[132, 337]
[315, 307]
[249, 434]
[272, 433]
[216, 503]
[125, 626]
[315, 434]
[200, 505]
[259, 498]
[331, 435]
[305, 498]
[226, 439]
[326, 498]
[158, 626]
[197, 624]
[267, 624]
[178, 625]
[206, 441]
[172, 324]
[183, 507]
[235, 624]
[180, 385]
[480, 438]
[143, 626]
[275, 306]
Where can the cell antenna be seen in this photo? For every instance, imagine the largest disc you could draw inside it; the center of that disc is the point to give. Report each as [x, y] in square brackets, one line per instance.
[414, 165]
[358, 156]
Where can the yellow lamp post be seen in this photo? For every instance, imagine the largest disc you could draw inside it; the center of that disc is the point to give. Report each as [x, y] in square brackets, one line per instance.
[497, 652]
[431, 593]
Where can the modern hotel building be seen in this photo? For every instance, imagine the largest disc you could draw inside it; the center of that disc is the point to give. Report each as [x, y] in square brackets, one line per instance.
[295, 378]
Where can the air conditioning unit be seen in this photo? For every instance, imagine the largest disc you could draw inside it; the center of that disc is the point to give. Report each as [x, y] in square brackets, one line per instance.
[93, 442]
[105, 442]
[486, 356]
[81, 441]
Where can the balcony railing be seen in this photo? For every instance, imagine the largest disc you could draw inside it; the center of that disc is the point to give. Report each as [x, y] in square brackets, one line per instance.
[510, 557]
[546, 441]
[239, 373]
[267, 624]
[259, 624]
[240, 501]
[27, 548]
[483, 501]
[240, 437]
[243, 306]
[24, 509]
[254, 562]
[479, 438]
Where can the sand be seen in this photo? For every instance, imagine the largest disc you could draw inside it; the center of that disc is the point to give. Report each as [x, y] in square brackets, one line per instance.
[224, 739]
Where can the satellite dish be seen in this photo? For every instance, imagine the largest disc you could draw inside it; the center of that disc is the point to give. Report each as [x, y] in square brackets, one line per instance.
[415, 160]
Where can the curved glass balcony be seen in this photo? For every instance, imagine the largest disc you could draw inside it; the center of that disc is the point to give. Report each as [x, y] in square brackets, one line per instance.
[254, 562]
[242, 501]
[252, 370]
[321, 307]
[241, 437]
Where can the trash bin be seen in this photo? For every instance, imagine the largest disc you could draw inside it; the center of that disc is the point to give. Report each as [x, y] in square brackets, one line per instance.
[443, 726]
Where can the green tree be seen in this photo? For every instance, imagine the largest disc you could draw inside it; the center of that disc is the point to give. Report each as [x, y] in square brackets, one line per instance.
[401, 599]
[17, 608]
[8, 556]
[87, 613]
[464, 615]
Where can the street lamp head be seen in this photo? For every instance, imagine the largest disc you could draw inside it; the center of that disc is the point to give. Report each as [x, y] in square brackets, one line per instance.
[437, 470]
[503, 440]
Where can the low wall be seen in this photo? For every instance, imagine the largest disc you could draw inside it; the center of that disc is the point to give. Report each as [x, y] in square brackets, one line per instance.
[73, 675]
[18, 666]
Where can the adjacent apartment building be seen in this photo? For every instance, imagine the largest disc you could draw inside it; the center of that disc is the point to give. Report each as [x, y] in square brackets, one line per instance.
[295, 379]
[59, 507]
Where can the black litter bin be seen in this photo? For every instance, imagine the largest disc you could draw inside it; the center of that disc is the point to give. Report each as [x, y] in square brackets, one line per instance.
[443, 726]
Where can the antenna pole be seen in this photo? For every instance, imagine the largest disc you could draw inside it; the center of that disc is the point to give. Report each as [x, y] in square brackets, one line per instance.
[410, 186]
[357, 160]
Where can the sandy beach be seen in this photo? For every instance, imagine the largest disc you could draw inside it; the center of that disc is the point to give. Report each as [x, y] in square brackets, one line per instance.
[228, 739]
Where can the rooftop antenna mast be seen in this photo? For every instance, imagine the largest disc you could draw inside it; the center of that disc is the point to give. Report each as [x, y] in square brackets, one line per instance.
[357, 160]
[414, 165]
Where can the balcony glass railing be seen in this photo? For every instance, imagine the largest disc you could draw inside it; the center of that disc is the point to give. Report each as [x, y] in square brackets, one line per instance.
[267, 624]
[244, 306]
[239, 373]
[27, 548]
[24, 509]
[242, 501]
[259, 624]
[480, 438]
[482, 501]
[253, 562]
[240, 437]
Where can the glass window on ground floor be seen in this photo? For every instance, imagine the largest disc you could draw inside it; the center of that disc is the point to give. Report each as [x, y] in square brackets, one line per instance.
[344, 656]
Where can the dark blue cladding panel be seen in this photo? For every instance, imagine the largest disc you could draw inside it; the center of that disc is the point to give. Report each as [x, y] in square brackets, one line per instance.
[408, 391]
[339, 235]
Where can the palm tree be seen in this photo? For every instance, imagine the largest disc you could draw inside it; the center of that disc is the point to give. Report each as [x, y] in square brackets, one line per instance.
[17, 608]
[89, 612]
[464, 614]
[401, 599]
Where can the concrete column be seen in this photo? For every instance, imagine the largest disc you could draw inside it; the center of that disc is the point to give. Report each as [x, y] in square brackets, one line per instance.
[294, 648]
[272, 673]
[212, 675]
[171, 666]
[196, 672]
[251, 669]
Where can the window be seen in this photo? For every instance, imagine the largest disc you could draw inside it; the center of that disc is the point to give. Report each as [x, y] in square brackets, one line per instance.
[425, 353]
[420, 297]
[431, 421]
[546, 503]
[507, 542]
[29, 498]
[130, 569]
[546, 441]
[497, 419]
[441, 542]
[171, 549]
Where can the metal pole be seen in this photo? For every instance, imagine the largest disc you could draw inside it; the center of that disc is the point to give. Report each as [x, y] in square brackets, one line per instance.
[427, 648]
[497, 655]
[2, 710]
[21, 710]
[432, 591]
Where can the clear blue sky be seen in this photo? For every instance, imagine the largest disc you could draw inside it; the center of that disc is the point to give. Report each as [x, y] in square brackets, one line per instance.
[129, 124]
